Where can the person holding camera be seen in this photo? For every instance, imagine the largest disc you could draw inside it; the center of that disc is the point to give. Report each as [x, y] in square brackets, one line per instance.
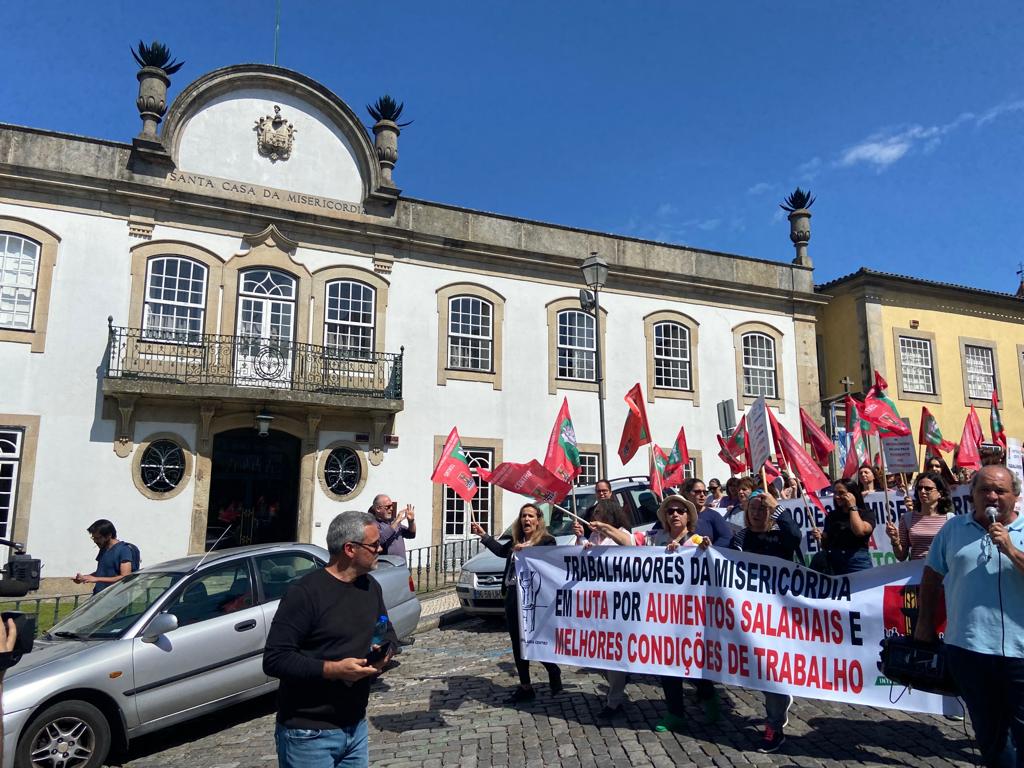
[978, 561]
[394, 526]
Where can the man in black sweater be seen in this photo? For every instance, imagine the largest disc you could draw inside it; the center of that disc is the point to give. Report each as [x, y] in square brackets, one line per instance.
[318, 645]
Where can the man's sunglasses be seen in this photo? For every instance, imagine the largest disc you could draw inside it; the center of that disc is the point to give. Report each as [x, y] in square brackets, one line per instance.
[372, 547]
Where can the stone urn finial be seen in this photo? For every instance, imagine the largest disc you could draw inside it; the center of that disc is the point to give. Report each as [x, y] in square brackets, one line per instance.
[386, 111]
[797, 204]
[155, 68]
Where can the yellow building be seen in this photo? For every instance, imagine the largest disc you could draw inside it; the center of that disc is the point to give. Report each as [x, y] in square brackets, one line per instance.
[938, 345]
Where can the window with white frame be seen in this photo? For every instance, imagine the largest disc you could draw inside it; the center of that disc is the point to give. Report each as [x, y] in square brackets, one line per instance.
[672, 356]
[19, 270]
[11, 439]
[350, 309]
[456, 521]
[577, 345]
[916, 365]
[590, 467]
[690, 469]
[175, 301]
[981, 371]
[470, 333]
[759, 374]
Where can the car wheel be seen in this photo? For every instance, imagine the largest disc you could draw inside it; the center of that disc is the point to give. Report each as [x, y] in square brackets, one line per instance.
[71, 734]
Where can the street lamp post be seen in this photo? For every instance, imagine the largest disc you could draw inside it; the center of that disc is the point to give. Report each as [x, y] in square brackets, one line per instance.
[595, 274]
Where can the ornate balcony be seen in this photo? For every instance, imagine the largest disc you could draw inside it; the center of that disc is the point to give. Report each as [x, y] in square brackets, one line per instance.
[245, 368]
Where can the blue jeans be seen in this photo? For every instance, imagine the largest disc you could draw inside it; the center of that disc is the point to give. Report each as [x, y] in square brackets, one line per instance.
[334, 748]
[993, 689]
[848, 561]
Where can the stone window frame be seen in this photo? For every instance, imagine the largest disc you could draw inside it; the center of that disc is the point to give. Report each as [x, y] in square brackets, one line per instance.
[140, 257]
[916, 333]
[965, 342]
[136, 470]
[444, 296]
[1020, 368]
[29, 424]
[693, 329]
[593, 449]
[553, 308]
[263, 256]
[381, 287]
[321, 466]
[755, 326]
[49, 244]
[496, 446]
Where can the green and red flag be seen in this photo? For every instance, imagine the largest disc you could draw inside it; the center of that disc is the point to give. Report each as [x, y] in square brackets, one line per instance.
[816, 437]
[530, 479]
[998, 434]
[735, 465]
[734, 450]
[453, 468]
[636, 432]
[804, 466]
[563, 457]
[930, 434]
[857, 452]
[658, 462]
[881, 413]
[678, 459]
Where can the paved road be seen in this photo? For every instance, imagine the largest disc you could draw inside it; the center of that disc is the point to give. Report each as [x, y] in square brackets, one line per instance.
[442, 707]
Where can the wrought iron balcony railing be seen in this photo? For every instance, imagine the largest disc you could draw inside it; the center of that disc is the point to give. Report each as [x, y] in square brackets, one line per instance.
[249, 361]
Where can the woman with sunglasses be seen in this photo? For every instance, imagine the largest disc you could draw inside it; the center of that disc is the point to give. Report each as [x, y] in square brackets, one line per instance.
[773, 532]
[847, 530]
[678, 519]
[528, 530]
[927, 514]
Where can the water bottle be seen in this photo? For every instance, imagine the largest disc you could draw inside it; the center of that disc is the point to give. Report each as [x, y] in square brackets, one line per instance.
[380, 631]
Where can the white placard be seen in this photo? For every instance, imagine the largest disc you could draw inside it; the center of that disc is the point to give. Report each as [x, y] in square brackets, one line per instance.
[900, 452]
[757, 434]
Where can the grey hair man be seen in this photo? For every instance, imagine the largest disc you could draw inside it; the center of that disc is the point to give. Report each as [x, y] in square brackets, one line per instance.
[978, 560]
[394, 526]
[318, 645]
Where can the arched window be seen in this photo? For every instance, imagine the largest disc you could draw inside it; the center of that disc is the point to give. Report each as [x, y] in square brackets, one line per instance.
[349, 318]
[19, 272]
[174, 308]
[470, 333]
[672, 356]
[759, 373]
[577, 345]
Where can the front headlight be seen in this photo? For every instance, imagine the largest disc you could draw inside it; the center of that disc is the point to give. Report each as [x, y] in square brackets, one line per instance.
[466, 579]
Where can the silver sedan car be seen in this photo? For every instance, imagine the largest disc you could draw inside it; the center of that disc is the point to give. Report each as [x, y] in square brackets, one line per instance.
[169, 643]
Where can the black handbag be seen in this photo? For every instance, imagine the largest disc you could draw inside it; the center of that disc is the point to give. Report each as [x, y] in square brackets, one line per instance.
[919, 665]
[820, 562]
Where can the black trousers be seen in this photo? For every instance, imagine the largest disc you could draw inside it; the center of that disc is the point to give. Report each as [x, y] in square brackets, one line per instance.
[993, 689]
[522, 665]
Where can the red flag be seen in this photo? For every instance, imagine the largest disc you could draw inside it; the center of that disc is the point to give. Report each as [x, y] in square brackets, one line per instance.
[817, 502]
[804, 466]
[879, 414]
[857, 453]
[453, 468]
[814, 435]
[880, 384]
[678, 458]
[736, 465]
[780, 457]
[968, 456]
[998, 433]
[635, 432]
[658, 461]
[563, 457]
[529, 480]
[930, 434]
[771, 472]
[853, 412]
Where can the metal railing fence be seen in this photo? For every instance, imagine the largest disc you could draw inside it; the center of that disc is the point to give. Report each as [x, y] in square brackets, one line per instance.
[439, 565]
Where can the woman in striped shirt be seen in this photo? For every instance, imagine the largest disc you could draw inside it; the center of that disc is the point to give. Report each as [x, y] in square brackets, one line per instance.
[930, 508]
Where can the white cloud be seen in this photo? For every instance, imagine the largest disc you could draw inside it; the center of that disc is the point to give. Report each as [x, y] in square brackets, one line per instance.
[760, 188]
[999, 110]
[807, 172]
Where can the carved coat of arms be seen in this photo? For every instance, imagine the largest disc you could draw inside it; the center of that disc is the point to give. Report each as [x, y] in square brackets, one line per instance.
[274, 136]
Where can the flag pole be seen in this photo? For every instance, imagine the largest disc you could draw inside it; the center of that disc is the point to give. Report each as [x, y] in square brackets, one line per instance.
[885, 478]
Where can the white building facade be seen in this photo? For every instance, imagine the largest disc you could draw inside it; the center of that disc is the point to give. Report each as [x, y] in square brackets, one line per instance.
[261, 272]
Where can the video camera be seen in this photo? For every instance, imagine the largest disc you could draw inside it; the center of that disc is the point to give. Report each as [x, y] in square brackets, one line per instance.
[19, 577]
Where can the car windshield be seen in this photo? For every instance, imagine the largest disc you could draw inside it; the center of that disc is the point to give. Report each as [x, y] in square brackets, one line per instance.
[559, 523]
[115, 609]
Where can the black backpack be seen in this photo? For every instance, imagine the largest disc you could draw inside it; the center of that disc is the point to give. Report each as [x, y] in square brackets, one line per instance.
[136, 555]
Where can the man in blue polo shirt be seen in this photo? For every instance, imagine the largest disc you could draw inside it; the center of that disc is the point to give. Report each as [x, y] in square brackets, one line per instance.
[115, 560]
[980, 563]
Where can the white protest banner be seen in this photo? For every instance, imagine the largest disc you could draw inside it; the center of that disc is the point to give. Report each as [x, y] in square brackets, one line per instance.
[757, 434]
[900, 452]
[1014, 460]
[808, 516]
[741, 619]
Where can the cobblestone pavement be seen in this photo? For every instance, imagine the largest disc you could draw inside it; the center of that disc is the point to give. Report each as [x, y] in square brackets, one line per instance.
[442, 706]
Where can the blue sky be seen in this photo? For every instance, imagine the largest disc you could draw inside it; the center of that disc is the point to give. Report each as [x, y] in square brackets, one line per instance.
[678, 121]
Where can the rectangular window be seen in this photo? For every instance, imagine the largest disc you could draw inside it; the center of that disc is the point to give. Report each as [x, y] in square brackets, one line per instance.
[577, 346]
[469, 334]
[19, 265]
[11, 439]
[690, 470]
[671, 356]
[916, 363]
[456, 521]
[759, 366]
[981, 371]
[175, 300]
[349, 319]
[590, 464]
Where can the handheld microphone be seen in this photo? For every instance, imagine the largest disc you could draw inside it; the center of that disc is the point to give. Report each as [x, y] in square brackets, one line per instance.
[990, 512]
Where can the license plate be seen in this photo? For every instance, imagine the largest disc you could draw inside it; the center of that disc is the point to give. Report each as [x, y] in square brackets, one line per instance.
[486, 594]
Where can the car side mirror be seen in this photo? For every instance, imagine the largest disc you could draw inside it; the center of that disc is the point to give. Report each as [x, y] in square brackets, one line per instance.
[161, 624]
